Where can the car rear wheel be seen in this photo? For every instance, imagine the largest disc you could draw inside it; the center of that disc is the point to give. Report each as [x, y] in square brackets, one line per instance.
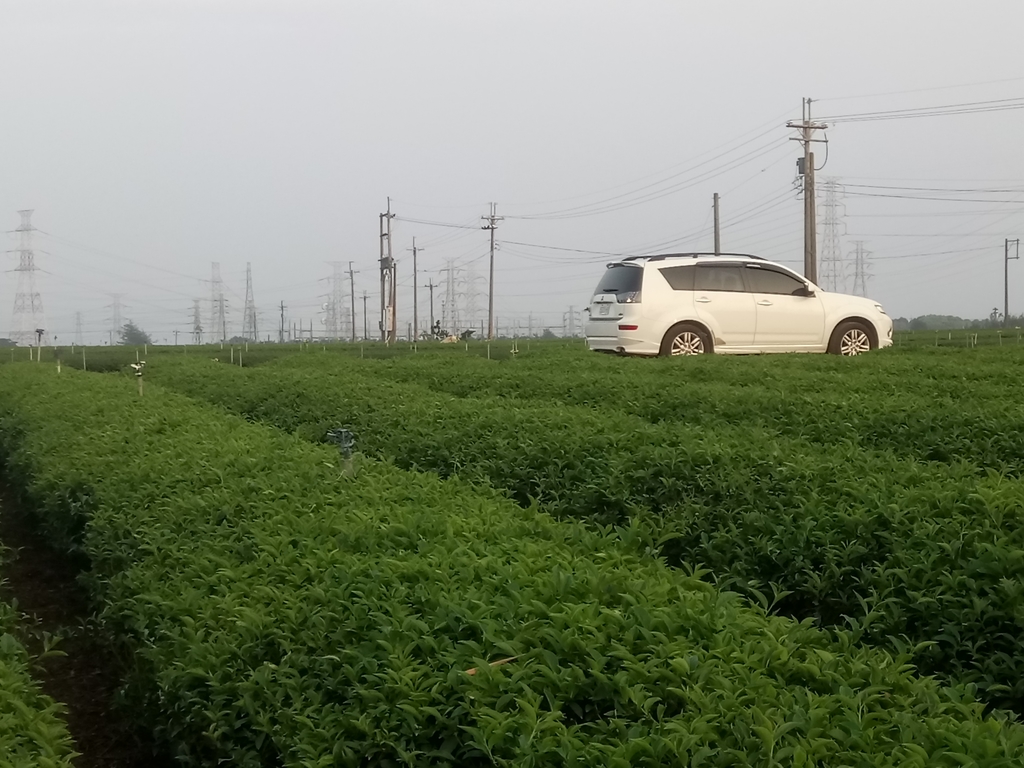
[850, 339]
[686, 339]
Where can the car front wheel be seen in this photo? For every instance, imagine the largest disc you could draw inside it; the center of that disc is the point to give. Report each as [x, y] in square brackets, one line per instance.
[851, 338]
[686, 339]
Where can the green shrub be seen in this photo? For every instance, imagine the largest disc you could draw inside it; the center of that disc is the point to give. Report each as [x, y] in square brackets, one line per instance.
[283, 614]
[901, 551]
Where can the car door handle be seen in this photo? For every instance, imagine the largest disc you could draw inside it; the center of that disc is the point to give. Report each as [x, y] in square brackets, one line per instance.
[703, 299]
[764, 303]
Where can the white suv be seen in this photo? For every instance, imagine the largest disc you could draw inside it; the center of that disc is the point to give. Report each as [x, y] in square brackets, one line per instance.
[696, 303]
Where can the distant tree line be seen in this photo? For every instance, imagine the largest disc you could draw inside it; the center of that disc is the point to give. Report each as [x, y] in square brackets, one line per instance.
[954, 323]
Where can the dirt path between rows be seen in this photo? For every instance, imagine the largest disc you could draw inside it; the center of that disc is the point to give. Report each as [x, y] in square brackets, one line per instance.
[86, 679]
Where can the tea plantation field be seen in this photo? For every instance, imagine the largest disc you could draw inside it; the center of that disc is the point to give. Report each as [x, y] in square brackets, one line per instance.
[544, 558]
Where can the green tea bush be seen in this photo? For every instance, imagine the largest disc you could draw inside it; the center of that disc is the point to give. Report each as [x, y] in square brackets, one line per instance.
[901, 551]
[934, 405]
[281, 613]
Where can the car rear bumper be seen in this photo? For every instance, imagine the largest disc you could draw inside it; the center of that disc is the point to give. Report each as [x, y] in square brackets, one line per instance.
[622, 345]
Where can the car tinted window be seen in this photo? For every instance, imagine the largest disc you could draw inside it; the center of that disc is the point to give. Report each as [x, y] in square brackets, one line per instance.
[719, 277]
[620, 279]
[763, 280]
[680, 278]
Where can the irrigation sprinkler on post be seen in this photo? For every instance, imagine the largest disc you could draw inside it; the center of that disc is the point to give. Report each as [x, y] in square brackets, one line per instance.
[345, 441]
[138, 367]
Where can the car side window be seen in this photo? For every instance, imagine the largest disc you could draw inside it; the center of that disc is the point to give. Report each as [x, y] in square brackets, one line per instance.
[719, 277]
[680, 278]
[763, 280]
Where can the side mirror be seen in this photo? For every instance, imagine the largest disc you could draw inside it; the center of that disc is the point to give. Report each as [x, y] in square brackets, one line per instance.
[806, 291]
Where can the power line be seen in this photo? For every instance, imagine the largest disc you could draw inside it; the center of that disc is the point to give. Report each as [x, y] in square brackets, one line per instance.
[923, 90]
[980, 190]
[773, 122]
[940, 110]
[616, 203]
[926, 197]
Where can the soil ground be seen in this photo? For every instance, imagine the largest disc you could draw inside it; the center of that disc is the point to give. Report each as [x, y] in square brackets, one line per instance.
[86, 679]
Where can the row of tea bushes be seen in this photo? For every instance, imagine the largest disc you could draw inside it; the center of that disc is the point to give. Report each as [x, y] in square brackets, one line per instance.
[899, 550]
[944, 405]
[282, 614]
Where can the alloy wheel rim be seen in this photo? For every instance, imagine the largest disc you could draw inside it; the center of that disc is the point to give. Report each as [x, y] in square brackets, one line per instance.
[687, 343]
[854, 342]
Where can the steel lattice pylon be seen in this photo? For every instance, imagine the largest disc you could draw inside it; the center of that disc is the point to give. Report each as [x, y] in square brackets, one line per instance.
[833, 272]
[28, 317]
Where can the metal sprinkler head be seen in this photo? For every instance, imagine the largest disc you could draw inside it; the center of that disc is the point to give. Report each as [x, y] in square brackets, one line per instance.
[344, 439]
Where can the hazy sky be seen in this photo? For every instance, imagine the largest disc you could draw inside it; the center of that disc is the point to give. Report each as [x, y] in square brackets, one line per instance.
[154, 138]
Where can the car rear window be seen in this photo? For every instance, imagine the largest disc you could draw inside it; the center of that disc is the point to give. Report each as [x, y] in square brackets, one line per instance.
[680, 278]
[620, 279]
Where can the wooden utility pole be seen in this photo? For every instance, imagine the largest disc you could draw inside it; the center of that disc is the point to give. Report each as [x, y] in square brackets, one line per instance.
[492, 224]
[718, 231]
[1006, 276]
[415, 291]
[352, 297]
[805, 167]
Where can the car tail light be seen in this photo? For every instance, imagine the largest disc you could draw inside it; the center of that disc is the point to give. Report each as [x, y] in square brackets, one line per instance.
[628, 297]
[628, 327]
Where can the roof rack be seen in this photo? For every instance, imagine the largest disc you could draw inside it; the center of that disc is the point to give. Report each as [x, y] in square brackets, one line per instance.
[693, 255]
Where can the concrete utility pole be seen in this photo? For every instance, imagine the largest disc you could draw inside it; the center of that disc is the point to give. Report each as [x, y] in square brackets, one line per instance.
[415, 290]
[805, 168]
[492, 224]
[431, 286]
[718, 231]
[280, 333]
[352, 298]
[1006, 275]
[388, 311]
[366, 328]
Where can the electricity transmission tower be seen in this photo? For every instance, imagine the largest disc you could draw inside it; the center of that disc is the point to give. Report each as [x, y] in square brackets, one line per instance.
[218, 315]
[116, 323]
[450, 304]
[197, 322]
[470, 283]
[861, 272]
[28, 304]
[78, 330]
[336, 307]
[833, 268]
[249, 316]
